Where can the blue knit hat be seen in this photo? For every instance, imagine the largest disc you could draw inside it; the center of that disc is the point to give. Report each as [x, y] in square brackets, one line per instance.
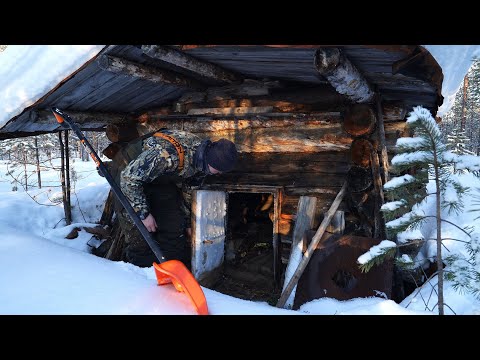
[222, 155]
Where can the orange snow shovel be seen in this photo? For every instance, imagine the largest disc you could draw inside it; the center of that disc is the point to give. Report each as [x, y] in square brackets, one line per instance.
[166, 271]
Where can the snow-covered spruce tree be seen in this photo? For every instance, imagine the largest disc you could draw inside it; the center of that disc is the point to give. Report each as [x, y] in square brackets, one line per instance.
[427, 159]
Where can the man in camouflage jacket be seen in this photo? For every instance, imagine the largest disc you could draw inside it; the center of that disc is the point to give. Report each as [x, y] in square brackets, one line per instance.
[159, 190]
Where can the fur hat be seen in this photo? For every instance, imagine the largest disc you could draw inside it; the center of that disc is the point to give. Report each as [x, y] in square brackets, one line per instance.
[222, 155]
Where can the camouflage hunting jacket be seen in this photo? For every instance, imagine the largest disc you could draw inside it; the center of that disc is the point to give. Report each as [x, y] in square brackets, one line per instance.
[159, 157]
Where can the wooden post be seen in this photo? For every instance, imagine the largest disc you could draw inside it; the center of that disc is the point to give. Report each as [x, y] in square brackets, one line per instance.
[379, 228]
[316, 239]
[37, 157]
[305, 218]
[67, 173]
[68, 218]
[381, 139]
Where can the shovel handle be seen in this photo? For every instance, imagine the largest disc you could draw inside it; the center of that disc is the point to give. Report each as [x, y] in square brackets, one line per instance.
[63, 119]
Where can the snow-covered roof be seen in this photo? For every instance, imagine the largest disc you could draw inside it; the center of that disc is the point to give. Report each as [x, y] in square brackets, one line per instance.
[27, 72]
[30, 77]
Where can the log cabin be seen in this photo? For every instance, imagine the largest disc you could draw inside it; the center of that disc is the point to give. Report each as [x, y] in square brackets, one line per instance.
[307, 120]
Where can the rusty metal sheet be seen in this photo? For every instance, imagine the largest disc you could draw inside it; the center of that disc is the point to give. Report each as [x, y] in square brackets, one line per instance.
[333, 271]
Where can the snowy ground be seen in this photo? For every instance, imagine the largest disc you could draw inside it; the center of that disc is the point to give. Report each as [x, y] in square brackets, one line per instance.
[41, 272]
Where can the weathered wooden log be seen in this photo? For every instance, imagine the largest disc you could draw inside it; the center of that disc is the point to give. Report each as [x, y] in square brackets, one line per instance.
[231, 110]
[190, 63]
[324, 200]
[332, 64]
[393, 111]
[81, 117]
[395, 128]
[321, 97]
[225, 96]
[360, 152]
[151, 120]
[359, 179]
[295, 162]
[248, 88]
[146, 72]
[316, 239]
[381, 139]
[299, 139]
[118, 242]
[359, 120]
[265, 136]
[379, 228]
[123, 132]
[108, 210]
[288, 180]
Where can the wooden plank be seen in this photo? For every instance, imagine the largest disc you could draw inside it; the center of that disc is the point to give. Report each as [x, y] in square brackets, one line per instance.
[208, 235]
[124, 67]
[190, 63]
[111, 89]
[231, 110]
[313, 244]
[304, 222]
[76, 82]
[79, 92]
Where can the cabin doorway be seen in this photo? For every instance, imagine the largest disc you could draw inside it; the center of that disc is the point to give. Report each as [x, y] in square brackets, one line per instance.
[242, 257]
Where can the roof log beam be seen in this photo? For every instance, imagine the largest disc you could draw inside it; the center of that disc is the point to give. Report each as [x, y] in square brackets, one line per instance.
[201, 68]
[333, 65]
[90, 120]
[146, 72]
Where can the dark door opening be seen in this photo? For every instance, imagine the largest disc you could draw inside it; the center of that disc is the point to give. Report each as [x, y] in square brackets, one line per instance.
[248, 268]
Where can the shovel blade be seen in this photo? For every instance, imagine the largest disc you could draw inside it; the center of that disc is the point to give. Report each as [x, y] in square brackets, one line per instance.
[174, 271]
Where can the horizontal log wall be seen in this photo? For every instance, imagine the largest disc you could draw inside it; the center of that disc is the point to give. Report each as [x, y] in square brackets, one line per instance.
[302, 153]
